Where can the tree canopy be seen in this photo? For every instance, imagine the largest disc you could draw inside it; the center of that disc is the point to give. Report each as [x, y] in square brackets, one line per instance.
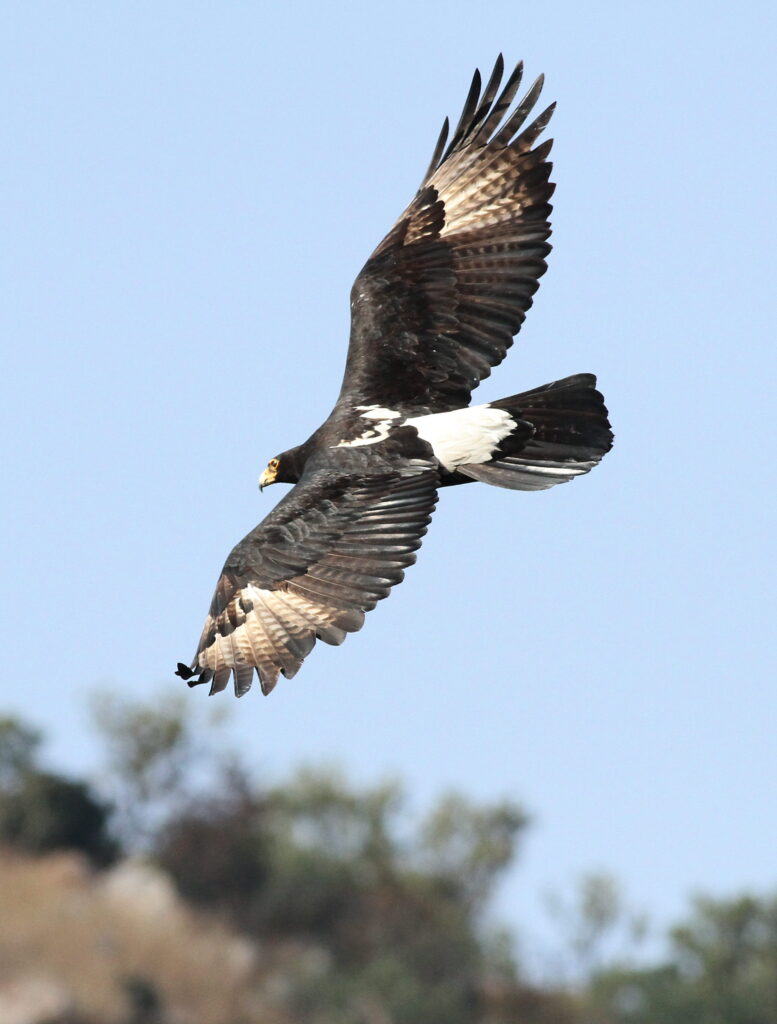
[380, 916]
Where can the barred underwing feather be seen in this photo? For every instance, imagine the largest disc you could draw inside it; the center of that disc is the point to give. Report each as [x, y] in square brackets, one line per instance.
[267, 618]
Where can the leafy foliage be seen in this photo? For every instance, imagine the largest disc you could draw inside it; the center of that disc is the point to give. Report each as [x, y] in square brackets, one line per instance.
[320, 863]
[47, 812]
[215, 849]
[41, 811]
[316, 861]
[19, 745]
[596, 924]
[374, 919]
[722, 970]
[153, 754]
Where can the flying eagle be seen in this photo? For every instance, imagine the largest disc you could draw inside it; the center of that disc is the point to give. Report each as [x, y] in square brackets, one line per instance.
[434, 308]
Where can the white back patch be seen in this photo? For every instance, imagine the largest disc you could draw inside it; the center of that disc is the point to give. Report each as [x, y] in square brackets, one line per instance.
[463, 436]
[380, 425]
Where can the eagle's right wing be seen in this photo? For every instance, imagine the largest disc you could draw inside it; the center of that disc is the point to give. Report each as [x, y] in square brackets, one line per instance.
[326, 554]
[438, 302]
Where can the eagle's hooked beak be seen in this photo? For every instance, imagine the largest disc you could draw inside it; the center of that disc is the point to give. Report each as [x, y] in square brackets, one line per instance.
[269, 474]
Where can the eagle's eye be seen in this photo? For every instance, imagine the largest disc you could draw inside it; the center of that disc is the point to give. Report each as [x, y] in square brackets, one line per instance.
[273, 464]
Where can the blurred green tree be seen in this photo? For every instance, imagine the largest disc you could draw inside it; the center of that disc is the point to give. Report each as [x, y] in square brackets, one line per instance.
[41, 811]
[377, 919]
[319, 862]
[595, 924]
[396, 913]
[722, 970]
[469, 845]
[215, 848]
[156, 754]
[19, 745]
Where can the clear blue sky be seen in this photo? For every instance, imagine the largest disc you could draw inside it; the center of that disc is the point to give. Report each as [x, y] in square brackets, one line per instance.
[188, 190]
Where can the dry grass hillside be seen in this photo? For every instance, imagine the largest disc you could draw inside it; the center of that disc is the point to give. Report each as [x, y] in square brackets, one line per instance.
[77, 944]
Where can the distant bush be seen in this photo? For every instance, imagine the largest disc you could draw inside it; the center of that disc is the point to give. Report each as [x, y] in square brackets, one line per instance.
[722, 968]
[348, 911]
[215, 850]
[318, 861]
[45, 812]
[41, 811]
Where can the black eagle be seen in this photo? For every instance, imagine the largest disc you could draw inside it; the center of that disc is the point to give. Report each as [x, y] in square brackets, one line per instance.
[433, 310]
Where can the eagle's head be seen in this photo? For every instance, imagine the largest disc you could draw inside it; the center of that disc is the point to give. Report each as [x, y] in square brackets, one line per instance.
[285, 468]
[270, 473]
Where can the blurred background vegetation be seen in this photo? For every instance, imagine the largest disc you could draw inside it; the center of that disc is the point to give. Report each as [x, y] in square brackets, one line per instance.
[175, 888]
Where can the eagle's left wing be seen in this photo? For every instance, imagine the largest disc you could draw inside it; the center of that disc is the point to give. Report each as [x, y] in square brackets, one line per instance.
[438, 302]
[326, 554]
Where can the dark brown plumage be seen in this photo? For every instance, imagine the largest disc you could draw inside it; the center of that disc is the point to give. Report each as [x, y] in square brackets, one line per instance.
[433, 310]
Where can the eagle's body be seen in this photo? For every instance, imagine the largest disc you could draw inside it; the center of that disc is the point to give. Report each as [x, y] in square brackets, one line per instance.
[433, 310]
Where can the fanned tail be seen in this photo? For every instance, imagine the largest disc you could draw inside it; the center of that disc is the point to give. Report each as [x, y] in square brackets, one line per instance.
[571, 434]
